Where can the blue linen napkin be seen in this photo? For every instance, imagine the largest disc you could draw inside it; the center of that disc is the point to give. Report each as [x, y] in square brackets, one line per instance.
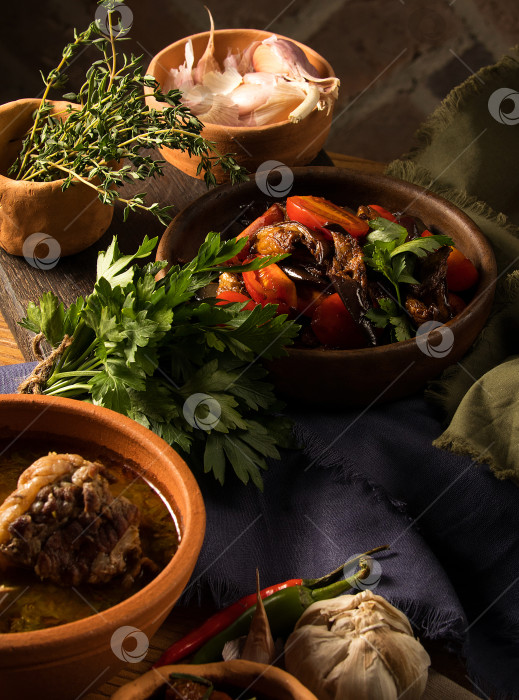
[363, 479]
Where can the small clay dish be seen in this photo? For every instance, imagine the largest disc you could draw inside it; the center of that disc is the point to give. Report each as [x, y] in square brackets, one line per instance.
[350, 377]
[70, 660]
[258, 680]
[66, 222]
[291, 144]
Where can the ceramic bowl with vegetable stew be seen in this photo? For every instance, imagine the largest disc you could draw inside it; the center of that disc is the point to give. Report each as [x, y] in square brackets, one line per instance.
[47, 645]
[356, 376]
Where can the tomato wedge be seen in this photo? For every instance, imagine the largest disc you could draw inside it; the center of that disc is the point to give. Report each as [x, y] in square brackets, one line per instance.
[461, 273]
[317, 213]
[273, 215]
[229, 297]
[334, 326]
[271, 286]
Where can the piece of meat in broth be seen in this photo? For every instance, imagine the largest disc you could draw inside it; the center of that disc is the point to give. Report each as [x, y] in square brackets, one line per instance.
[64, 522]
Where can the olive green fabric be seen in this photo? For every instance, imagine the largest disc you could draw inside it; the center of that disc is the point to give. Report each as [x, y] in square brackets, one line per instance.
[469, 153]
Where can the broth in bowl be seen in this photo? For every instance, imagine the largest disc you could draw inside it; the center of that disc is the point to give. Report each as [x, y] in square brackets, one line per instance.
[76, 536]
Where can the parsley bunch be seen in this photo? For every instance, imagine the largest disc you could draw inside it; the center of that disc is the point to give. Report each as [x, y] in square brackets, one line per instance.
[99, 139]
[150, 348]
[387, 252]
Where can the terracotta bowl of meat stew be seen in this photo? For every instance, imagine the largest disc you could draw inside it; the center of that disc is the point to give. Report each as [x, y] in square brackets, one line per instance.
[124, 542]
[237, 678]
[354, 377]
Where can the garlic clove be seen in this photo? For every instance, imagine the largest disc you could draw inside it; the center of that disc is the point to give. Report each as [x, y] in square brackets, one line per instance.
[260, 79]
[245, 62]
[303, 110]
[249, 97]
[208, 62]
[283, 100]
[282, 57]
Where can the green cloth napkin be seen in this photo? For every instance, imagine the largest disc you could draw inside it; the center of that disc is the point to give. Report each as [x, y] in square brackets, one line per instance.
[468, 152]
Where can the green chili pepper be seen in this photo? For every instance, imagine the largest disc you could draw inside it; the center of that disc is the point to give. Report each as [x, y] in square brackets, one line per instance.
[283, 609]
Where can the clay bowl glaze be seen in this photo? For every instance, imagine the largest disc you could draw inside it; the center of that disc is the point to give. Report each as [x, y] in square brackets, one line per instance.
[351, 377]
[269, 682]
[62, 662]
[75, 218]
[292, 144]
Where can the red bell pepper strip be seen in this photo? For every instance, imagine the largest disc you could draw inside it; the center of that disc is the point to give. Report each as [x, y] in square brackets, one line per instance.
[230, 297]
[274, 215]
[384, 213]
[334, 326]
[317, 213]
[270, 285]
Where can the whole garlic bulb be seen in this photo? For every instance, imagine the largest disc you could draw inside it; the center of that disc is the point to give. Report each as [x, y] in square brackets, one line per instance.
[357, 647]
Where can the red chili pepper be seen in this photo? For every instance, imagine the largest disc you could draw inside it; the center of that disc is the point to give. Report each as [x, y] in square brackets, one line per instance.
[334, 326]
[384, 213]
[222, 619]
[230, 297]
[218, 622]
[270, 285]
[273, 215]
[317, 212]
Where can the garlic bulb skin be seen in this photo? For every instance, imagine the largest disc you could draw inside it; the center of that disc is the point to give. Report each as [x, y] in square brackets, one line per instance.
[357, 647]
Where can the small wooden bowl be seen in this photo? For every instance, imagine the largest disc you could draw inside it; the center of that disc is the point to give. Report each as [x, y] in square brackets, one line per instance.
[69, 660]
[291, 144]
[270, 682]
[352, 377]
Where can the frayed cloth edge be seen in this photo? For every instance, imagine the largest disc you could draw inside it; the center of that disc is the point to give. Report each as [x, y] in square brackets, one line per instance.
[324, 457]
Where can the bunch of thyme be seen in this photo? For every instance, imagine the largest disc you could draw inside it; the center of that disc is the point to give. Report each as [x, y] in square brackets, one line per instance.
[99, 139]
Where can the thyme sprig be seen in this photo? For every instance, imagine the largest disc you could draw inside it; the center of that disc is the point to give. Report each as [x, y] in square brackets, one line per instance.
[99, 140]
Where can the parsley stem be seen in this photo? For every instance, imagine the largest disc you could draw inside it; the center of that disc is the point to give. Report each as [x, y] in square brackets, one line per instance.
[76, 390]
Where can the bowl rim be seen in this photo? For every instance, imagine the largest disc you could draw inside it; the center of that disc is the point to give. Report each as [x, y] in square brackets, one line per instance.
[84, 629]
[486, 283]
[235, 130]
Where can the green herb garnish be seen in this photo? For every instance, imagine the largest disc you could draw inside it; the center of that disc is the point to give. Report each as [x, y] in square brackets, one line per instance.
[145, 348]
[387, 252]
[111, 126]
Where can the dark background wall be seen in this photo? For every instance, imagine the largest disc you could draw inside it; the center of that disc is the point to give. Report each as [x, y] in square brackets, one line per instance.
[396, 58]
